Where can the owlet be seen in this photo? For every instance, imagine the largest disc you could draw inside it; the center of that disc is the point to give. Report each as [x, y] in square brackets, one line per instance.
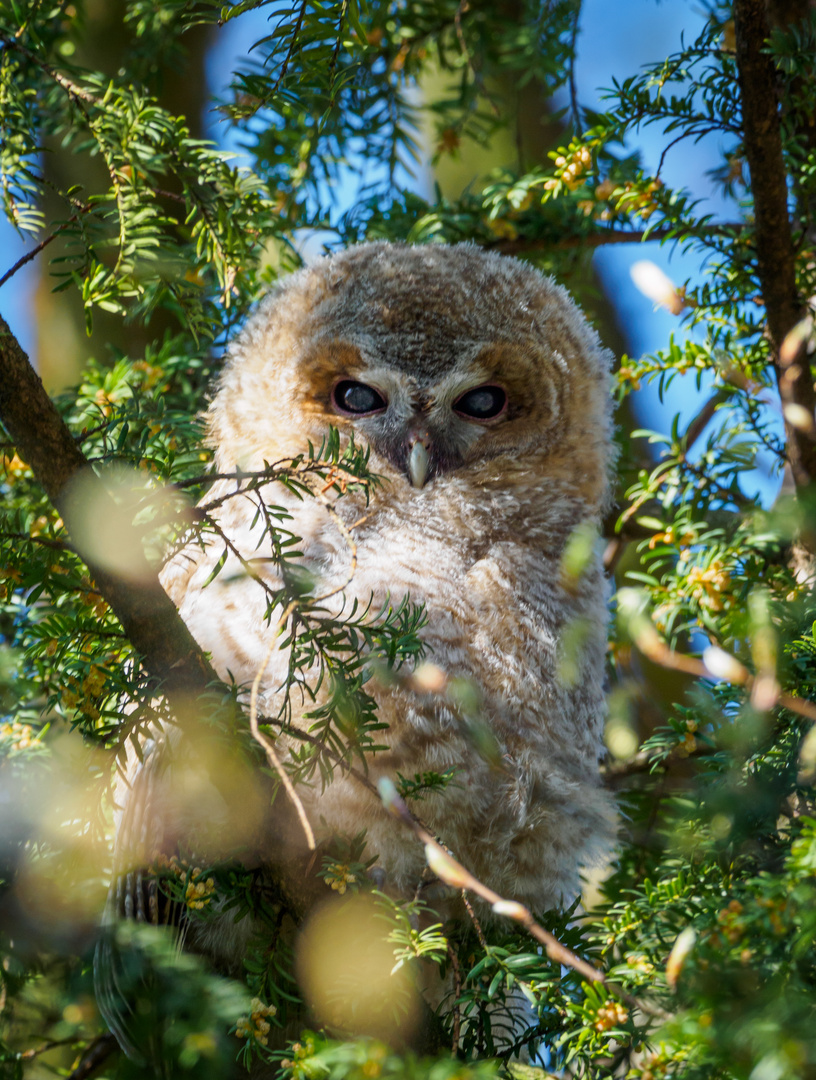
[483, 396]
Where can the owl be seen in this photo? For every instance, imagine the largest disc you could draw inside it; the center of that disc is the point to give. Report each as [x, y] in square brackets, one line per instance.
[482, 395]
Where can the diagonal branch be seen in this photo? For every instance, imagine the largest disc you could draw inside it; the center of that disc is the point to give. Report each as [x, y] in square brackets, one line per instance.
[522, 244]
[449, 870]
[32, 254]
[45, 443]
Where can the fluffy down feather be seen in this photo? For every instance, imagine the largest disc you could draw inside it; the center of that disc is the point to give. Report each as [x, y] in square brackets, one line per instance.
[480, 544]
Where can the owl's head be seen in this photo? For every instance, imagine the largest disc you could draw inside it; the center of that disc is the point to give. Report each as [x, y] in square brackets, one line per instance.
[446, 361]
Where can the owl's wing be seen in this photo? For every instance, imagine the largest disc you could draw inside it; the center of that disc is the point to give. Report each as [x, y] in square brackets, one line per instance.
[165, 799]
[134, 895]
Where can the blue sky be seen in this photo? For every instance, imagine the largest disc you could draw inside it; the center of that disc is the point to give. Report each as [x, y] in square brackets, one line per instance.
[615, 41]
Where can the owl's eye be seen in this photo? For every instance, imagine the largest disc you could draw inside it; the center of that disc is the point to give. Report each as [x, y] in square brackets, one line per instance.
[481, 403]
[356, 398]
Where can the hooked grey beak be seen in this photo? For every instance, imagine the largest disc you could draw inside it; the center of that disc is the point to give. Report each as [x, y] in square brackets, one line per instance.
[419, 461]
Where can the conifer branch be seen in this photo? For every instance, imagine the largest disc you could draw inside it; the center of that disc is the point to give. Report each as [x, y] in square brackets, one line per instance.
[45, 443]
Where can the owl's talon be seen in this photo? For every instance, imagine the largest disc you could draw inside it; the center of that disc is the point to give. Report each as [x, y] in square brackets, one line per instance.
[378, 876]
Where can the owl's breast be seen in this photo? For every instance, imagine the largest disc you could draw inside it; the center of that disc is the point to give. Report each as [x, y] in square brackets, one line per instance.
[521, 742]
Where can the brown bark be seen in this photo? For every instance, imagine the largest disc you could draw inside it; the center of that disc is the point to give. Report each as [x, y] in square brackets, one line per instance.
[44, 442]
[762, 140]
[521, 245]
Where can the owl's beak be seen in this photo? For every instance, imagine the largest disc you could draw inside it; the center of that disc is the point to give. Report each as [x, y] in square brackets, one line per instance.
[419, 461]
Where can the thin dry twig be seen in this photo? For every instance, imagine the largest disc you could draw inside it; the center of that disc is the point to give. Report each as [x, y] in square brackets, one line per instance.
[291, 51]
[341, 18]
[28, 1055]
[478, 81]
[29, 255]
[449, 870]
[99, 1050]
[613, 552]
[267, 744]
[716, 663]
[477, 926]
[457, 993]
[464, 880]
[440, 861]
[573, 89]
[522, 244]
[257, 734]
[701, 420]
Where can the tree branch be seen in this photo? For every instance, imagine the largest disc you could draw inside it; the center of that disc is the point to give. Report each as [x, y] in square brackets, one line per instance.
[98, 1052]
[29, 255]
[718, 665]
[776, 268]
[522, 244]
[44, 442]
[449, 870]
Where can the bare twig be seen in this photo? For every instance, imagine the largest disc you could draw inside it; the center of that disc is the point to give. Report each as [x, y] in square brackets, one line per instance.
[522, 244]
[457, 993]
[696, 131]
[700, 421]
[341, 18]
[716, 663]
[613, 552]
[573, 90]
[452, 872]
[99, 1050]
[29, 255]
[267, 744]
[462, 8]
[28, 1055]
[441, 862]
[290, 52]
[477, 926]
[254, 726]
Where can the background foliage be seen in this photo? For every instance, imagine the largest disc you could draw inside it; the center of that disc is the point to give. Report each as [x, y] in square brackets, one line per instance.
[707, 915]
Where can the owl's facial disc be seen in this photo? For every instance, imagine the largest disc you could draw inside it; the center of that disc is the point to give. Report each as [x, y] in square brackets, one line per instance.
[424, 426]
[423, 433]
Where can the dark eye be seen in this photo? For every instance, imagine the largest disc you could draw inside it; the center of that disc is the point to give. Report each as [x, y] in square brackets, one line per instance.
[481, 403]
[356, 398]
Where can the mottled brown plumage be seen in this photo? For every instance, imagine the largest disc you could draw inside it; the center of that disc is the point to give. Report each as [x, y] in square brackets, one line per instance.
[472, 520]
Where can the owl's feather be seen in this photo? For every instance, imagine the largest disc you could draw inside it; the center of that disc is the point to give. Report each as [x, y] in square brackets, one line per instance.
[479, 543]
